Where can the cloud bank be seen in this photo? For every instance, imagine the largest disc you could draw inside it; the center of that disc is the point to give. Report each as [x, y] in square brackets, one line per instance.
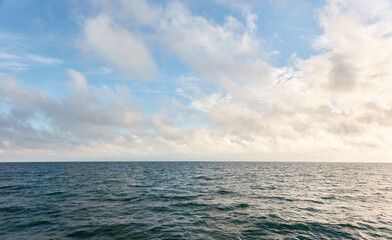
[335, 105]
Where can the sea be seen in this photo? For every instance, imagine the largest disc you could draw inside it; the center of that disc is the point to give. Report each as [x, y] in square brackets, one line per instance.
[195, 200]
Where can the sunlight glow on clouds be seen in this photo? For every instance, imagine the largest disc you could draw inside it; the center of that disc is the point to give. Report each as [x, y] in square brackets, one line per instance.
[233, 103]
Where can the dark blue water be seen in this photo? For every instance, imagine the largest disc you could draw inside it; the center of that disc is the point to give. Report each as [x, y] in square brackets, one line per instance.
[195, 201]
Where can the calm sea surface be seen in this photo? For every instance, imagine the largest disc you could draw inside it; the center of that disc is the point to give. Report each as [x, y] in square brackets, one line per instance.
[183, 200]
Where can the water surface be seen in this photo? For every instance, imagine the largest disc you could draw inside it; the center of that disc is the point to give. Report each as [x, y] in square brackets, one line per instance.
[195, 200]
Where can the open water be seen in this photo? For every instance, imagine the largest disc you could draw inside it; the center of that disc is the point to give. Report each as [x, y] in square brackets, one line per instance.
[195, 200]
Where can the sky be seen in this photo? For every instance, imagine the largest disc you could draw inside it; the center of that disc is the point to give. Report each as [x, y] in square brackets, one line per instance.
[256, 80]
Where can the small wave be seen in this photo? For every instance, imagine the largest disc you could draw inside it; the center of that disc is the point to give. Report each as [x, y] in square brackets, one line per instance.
[159, 209]
[179, 197]
[242, 205]
[224, 192]
[34, 224]
[348, 225]
[189, 204]
[312, 201]
[54, 193]
[222, 207]
[125, 231]
[263, 188]
[13, 209]
[276, 198]
[307, 230]
[130, 199]
[328, 197]
[203, 178]
[15, 187]
[310, 209]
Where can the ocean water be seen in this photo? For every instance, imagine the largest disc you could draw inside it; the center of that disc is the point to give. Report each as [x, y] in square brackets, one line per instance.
[195, 200]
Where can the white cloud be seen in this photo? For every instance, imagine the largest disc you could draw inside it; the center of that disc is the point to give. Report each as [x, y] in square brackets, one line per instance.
[79, 82]
[229, 54]
[335, 105]
[8, 56]
[115, 45]
[200, 99]
[45, 60]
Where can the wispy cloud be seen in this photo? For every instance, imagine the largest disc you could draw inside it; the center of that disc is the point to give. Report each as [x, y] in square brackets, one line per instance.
[8, 56]
[15, 54]
[100, 71]
[44, 60]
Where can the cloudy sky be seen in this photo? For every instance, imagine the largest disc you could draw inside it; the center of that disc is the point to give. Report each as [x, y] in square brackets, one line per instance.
[264, 80]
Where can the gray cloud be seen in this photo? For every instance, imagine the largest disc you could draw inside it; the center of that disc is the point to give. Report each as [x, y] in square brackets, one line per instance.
[343, 75]
[89, 114]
